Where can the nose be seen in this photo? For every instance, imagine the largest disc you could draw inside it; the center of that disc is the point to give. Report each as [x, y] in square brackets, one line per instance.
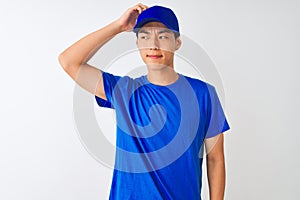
[154, 44]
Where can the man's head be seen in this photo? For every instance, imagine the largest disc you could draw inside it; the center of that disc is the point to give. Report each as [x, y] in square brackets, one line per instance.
[158, 34]
[158, 14]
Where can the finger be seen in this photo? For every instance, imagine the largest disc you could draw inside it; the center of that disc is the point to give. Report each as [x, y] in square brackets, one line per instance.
[139, 9]
[144, 7]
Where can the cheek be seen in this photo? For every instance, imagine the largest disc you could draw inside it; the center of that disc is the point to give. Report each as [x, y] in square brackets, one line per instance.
[168, 47]
[143, 54]
[168, 55]
[143, 47]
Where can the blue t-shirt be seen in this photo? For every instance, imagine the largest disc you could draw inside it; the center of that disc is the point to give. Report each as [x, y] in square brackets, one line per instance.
[160, 133]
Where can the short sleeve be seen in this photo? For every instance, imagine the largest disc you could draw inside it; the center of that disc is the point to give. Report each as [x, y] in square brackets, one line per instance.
[103, 103]
[109, 82]
[216, 121]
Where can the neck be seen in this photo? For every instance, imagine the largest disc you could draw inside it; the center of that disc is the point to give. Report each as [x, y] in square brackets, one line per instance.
[163, 76]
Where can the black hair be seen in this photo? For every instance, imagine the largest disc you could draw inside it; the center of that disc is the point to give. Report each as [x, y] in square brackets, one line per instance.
[176, 34]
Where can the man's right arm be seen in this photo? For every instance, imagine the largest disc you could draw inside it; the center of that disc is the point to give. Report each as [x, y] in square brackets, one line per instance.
[74, 59]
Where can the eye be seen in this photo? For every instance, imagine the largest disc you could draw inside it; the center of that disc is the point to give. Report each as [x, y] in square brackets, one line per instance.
[163, 37]
[144, 37]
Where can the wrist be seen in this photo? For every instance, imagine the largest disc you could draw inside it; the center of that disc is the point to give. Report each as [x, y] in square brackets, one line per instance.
[118, 26]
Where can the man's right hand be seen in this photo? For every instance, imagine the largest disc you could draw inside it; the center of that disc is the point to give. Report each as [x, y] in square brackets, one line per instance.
[128, 19]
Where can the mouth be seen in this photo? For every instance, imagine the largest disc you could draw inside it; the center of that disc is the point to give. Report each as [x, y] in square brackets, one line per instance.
[154, 56]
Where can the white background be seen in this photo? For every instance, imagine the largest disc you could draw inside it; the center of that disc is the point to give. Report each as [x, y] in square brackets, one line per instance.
[254, 44]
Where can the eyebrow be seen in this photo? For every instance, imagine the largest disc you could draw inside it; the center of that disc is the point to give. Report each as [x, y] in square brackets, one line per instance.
[144, 31]
[160, 32]
[165, 31]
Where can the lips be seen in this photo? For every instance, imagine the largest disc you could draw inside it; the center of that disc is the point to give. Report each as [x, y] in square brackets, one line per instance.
[154, 56]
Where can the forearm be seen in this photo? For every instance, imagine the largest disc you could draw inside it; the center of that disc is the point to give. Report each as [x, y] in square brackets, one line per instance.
[80, 52]
[216, 178]
[74, 59]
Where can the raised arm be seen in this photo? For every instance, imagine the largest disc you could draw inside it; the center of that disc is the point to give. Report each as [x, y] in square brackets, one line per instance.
[74, 59]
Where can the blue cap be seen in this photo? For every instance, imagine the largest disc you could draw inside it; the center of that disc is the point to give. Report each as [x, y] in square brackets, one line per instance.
[157, 14]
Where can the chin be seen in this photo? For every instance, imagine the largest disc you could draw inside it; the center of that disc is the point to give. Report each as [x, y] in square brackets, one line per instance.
[156, 66]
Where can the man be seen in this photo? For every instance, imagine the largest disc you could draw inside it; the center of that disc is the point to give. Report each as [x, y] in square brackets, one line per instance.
[163, 118]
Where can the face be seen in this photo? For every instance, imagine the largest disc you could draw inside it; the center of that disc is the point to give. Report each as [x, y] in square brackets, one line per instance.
[157, 45]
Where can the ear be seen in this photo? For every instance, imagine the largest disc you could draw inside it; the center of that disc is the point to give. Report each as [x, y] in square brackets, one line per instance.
[178, 43]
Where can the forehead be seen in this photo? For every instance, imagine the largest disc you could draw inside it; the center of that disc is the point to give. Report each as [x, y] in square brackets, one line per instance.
[154, 26]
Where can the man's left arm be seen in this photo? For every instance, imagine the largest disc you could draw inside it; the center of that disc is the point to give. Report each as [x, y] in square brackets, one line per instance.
[215, 166]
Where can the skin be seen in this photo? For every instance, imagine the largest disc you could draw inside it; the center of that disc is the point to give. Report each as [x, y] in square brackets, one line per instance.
[215, 163]
[156, 47]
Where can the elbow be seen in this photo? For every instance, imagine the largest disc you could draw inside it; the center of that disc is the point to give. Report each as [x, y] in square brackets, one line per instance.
[63, 61]
[67, 63]
[215, 159]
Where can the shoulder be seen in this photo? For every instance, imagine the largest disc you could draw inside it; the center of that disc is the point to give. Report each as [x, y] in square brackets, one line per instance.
[199, 85]
[117, 79]
[125, 83]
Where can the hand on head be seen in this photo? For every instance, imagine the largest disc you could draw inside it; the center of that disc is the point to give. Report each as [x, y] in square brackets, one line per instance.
[128, 19]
